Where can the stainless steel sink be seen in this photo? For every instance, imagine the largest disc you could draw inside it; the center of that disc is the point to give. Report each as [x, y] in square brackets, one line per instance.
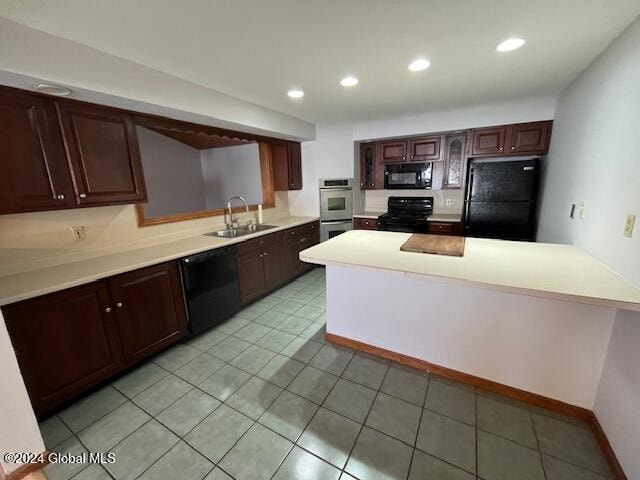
[240, 231]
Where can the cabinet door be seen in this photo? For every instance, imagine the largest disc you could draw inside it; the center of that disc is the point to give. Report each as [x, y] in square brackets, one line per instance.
[275, 270]
[425, 149]
[103, 150]
[34, 174]
[393, 151]
[489, 141]
[294, 265]
[367, 166]
[251, 277]
[295, 165]
[531, 137]
[65, 342]
[149, 308]
[454, 160]
[287, 166]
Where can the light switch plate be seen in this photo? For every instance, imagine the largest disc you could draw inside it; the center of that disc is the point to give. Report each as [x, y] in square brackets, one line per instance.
[448, 202]
[628, 225]
[581, 211]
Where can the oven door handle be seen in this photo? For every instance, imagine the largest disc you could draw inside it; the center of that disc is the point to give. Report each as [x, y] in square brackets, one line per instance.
[334, 222]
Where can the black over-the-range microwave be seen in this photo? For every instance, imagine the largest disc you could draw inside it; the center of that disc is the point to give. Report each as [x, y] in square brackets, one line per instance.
[408, 175]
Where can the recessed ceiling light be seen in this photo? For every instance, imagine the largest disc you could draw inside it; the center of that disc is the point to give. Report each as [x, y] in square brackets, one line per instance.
[295, 93]
[419, 65]
[510, 44]
[349, 81]
[51, 89]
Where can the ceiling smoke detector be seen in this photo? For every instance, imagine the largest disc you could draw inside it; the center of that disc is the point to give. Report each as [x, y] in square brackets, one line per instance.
[52, 89]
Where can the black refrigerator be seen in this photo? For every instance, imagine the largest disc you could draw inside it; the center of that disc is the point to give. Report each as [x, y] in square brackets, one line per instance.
[500, 199]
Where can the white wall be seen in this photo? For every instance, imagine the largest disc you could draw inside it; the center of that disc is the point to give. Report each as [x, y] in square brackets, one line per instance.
[330, 155]
[18, 425]
[594, 158]
[172, 175]
[28, 55]
[232, 171]
[500, 113]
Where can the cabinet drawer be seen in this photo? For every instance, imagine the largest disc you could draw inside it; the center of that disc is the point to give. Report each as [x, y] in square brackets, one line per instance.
[365, 223]
[258, 244]
[445, 228]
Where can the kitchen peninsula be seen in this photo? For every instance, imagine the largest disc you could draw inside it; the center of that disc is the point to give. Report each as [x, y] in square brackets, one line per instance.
[534, 317]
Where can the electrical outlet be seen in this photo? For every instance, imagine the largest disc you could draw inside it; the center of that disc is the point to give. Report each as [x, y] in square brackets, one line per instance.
[448, 202]
[628, 225]
[581, 211]
[79, 232]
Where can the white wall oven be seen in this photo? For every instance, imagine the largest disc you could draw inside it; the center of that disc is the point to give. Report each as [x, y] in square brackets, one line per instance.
[336, 206]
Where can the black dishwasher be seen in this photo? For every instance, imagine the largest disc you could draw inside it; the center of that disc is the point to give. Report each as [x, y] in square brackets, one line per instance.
[210, 282]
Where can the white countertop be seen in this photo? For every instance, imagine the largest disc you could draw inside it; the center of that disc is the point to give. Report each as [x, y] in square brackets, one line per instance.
[434, 217]
[21, 286]
[562, 272]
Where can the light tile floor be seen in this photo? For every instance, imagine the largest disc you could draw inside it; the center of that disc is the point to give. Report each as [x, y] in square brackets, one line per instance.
[262, 396]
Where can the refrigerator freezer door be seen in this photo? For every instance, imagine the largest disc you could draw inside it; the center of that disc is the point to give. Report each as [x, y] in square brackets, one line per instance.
[511, 181]
[505, 220]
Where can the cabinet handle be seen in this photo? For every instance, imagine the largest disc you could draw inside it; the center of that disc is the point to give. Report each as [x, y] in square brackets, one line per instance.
[264, 254]
[260, 255]
[292, 184]
[293, 233]
[60, 197]
[411, 156]
[119, 304]
[513, 148]
[501, 148]
[373, 184]
[108, 309]
[404, 157]
[83, 195]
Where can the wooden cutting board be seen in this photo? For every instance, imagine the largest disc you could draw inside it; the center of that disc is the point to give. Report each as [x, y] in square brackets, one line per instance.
[436, 244]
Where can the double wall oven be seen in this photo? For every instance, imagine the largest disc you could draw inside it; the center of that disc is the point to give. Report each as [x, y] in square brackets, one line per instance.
[336, 206]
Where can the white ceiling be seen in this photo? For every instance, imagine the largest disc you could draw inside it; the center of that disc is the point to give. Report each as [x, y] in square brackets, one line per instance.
[256, 50]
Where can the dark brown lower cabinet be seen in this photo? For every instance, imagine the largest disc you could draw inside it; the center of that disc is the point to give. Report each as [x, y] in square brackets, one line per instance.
[445, 228]
[149, 309]
[261, 266]
[267, 262]
[304, 237]
[69, 341]
[66, 342]
[251, 276]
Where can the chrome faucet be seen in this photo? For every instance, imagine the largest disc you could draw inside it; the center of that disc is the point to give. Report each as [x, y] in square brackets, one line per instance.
[234, 221]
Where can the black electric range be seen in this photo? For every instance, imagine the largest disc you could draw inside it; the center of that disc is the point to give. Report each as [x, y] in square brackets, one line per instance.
[406, 214]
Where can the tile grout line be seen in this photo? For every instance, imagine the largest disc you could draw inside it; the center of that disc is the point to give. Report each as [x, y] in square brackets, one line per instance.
[424, 401]
[363, 422]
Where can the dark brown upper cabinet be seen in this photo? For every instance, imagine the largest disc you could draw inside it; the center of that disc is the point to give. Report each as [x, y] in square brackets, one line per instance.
[34, 174]
[367, 166]
[287, 166]
[103, 152]
[454, 158]
[490, 141]
[521, 138]
[425, 149]
[531, 137]
[393, 151]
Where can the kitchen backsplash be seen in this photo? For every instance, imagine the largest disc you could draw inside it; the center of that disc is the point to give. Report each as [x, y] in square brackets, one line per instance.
[41, 239]
[376, 200]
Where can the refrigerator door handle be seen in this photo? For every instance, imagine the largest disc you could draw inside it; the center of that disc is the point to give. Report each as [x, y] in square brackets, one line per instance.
[469, 185]
[528, 168]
